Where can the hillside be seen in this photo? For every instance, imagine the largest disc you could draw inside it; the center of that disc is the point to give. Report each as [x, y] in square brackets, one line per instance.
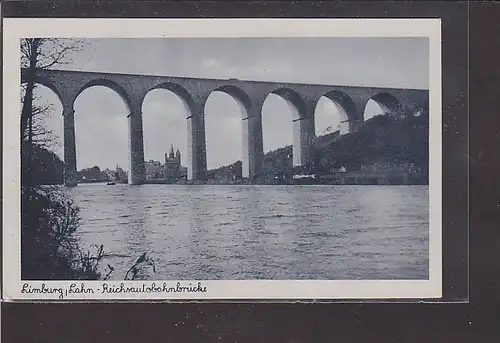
[382, 145]
[230, 174]
[382, 141]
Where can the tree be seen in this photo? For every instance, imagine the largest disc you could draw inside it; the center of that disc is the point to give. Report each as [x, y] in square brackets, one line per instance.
[49, 219]
[38, 53]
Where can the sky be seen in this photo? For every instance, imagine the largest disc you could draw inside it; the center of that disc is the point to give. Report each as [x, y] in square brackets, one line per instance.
[101, 115]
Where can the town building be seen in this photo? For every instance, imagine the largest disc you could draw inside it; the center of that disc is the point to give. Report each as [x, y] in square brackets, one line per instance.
[120, 174]
[173, 170]
[170, 172]
[154, 170]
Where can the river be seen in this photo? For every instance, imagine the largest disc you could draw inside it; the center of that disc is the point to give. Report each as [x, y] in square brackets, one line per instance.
[259, 232]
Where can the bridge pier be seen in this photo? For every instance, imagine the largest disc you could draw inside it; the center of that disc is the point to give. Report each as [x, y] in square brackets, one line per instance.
[252, 146]
[303, 136]
[197, 152]
[137, 175]
[70, 179]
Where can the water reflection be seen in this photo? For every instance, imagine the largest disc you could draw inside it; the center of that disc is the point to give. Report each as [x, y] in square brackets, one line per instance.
[262, 232]
[136, 233]
[252, 233]
[201, 225]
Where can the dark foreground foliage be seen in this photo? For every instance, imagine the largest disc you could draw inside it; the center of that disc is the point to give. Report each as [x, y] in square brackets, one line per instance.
[50, 249]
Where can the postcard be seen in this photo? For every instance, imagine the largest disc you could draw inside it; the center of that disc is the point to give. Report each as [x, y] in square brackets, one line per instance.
[239, 159]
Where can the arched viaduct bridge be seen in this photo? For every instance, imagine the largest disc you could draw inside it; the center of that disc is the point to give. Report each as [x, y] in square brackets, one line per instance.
[194, 92]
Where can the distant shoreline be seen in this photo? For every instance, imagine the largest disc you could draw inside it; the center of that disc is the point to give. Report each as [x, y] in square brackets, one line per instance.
[296, 183]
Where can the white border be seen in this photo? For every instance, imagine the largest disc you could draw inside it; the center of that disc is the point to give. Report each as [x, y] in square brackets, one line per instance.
[15, 29]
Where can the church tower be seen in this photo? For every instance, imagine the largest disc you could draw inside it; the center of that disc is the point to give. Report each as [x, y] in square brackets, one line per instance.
[171, 151]
[172, 164]
[178, 157]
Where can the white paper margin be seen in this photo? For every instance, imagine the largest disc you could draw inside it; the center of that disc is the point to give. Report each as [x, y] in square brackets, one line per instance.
[15, 29]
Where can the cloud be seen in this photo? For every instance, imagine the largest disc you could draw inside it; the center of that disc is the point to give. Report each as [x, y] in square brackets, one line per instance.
[210, 63]
[265, 70]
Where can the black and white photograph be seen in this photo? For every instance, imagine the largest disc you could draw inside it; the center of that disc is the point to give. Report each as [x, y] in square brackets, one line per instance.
[222, 159]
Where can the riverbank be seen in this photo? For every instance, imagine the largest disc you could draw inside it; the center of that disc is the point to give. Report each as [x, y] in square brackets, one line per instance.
[329, 179]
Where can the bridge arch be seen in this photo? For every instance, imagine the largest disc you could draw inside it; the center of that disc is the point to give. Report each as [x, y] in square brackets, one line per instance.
[189, 135]
[179, 91]
[387, 103]
[300, 130]
[294, 100]
[166, 109]
[240, 96]
[99, 127]
[226, 110]
[48, 84]
[348, 114]
[102, 82]
[68, 99]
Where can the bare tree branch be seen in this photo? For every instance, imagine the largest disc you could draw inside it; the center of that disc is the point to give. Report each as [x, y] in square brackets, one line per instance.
[41, 53]
[54, 51]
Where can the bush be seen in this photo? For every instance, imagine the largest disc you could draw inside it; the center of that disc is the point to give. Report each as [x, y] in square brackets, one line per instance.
[49, 246]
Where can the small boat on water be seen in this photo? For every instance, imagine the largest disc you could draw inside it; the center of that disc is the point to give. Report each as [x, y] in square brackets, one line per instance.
[111, 183]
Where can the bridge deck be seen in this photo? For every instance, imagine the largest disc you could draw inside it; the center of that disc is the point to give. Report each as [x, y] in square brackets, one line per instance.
[186, 78]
